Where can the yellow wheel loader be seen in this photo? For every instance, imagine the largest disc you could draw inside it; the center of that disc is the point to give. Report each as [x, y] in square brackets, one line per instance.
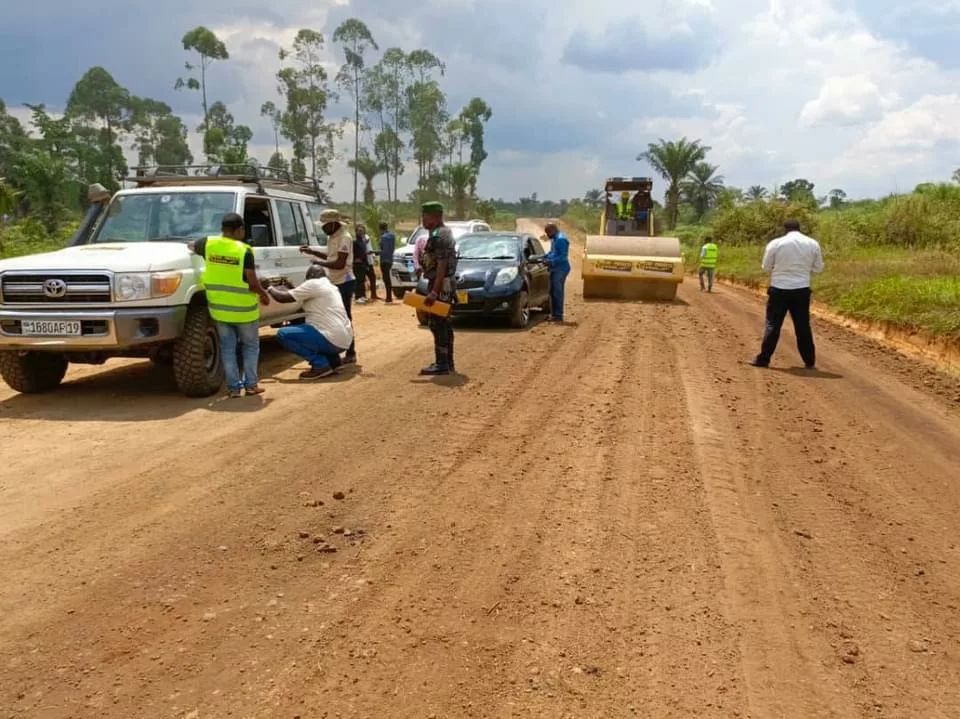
[627, 260]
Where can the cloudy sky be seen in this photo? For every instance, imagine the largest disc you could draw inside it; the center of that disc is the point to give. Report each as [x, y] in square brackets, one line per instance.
[856, 94]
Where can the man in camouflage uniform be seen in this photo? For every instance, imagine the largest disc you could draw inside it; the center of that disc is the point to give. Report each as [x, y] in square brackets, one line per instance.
[439, 263]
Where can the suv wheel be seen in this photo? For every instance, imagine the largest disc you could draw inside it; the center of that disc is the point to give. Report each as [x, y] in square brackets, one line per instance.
[196, 356]
[32, 372]
[520, 312]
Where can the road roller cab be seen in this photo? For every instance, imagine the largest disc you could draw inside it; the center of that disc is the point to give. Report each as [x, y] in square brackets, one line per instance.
[626, 260]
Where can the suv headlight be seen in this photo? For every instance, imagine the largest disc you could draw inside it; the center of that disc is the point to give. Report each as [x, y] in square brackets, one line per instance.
[506, 276]
[133, 286]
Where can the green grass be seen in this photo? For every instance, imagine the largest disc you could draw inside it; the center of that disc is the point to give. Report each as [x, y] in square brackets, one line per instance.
[914, 289]
[29, 237]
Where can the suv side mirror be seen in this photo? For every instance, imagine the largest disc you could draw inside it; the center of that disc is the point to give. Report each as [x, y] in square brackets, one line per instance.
[259, 236]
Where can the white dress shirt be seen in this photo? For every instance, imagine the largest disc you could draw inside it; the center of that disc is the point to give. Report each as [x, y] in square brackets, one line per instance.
[791, 259]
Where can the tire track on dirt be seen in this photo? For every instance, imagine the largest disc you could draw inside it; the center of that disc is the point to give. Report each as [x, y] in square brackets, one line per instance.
[847, 499]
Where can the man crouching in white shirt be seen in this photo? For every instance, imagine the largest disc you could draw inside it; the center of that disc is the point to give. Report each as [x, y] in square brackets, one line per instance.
[790, 260]
[327, 331]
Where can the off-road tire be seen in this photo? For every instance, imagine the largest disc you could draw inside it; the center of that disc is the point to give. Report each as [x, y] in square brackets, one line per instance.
[399, 293]
[32, 372]
[520, 311]
[197, 368]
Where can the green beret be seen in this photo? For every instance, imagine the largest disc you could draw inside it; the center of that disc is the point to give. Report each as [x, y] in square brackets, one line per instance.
[432, 208]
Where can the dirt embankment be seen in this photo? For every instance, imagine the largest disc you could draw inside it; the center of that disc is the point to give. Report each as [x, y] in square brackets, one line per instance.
[611, 518]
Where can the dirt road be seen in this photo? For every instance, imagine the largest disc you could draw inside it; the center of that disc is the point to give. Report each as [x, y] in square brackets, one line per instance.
[612, 518]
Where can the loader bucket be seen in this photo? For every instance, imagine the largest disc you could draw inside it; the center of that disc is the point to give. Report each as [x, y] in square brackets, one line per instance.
[631, 268]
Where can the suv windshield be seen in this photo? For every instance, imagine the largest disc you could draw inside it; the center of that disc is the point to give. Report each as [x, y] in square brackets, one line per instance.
[171, 216]
[487, 247]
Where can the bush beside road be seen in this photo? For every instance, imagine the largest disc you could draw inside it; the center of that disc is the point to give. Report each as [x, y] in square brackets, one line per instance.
[893, 261]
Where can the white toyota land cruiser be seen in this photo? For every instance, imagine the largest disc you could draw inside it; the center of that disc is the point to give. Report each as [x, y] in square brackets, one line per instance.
[127, 286]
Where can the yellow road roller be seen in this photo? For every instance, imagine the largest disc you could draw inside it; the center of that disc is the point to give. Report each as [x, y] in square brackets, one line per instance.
[626, 260]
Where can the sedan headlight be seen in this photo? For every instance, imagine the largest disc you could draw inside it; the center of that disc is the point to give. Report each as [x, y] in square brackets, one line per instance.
[129, 287]
[506, 276]
[133, 286]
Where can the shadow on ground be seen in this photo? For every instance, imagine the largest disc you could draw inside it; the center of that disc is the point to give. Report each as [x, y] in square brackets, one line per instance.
[808, 373]
[450, 380]
[135, 392]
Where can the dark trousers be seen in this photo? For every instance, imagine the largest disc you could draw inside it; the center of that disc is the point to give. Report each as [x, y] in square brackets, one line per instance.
[797, 303]
[372, 279]
[360, 286]
[346, 294]
[385, 268]
[558, 280]
[442, 329]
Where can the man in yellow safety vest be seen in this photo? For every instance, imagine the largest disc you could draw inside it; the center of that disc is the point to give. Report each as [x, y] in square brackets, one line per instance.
[234, 295]
[708, 263]
[624, 208]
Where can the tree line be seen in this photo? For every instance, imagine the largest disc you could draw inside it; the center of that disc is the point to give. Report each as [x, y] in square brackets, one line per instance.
[400, 115]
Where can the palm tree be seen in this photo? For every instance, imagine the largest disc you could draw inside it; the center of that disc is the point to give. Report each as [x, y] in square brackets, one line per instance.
[673, 161]
[702, 188]
[757, 193]
[594, 198]
[368, 168]
[460, 177]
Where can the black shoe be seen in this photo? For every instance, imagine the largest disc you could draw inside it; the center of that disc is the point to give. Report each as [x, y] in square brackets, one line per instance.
[350, 358]
[317, 373]
[758, 363]
[810, 366]
[435, 370]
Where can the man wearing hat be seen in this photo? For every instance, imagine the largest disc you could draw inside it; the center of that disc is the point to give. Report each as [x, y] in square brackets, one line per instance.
[340, 268]
[439, 263]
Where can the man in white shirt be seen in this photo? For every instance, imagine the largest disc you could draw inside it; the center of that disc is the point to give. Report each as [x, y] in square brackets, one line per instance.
[790, 260]
[327, 331]
[338, 260]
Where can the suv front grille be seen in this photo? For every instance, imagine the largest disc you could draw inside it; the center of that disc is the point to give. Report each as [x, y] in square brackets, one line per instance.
[59, 288]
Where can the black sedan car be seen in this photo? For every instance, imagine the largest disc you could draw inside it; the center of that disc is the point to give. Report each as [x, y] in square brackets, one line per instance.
[501, 274]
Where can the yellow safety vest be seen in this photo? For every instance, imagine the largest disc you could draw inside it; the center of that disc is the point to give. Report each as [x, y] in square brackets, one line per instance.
[229, 298]
[709, 257]
[623, 211]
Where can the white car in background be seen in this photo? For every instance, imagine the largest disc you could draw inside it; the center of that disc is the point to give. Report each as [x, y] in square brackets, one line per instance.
[403, 274]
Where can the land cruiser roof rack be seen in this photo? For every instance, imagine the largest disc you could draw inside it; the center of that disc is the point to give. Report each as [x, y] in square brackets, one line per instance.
[243, 174]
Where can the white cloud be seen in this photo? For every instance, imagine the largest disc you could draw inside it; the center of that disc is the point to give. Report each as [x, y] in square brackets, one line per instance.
[813, 89]
[849, 100]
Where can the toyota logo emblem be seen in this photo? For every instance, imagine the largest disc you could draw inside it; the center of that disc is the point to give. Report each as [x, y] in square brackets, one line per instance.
[55, 289]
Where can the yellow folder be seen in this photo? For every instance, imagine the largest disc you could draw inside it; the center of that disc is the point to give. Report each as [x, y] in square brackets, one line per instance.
[441, 309]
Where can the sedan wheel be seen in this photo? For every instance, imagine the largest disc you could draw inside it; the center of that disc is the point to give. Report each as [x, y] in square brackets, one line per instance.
[520, 313]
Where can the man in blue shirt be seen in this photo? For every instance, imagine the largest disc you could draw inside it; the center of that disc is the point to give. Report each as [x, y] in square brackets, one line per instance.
[559, 260]
[388, 243]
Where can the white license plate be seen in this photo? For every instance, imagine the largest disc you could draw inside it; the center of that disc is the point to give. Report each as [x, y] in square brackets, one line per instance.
[50, 328]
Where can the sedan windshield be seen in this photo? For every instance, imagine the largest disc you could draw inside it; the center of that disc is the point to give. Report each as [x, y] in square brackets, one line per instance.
[487, 247]
[172, 217]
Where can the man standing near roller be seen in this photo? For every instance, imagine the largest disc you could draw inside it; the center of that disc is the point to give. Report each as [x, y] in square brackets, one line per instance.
[790, 260]
[708, 263]
[439, 263]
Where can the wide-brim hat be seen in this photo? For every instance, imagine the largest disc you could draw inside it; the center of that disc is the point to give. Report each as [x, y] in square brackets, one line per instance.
[331, 215]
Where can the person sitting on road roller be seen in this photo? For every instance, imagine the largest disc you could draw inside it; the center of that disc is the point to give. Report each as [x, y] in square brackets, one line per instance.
[708, 262]
[641, 205]
[624, 207]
